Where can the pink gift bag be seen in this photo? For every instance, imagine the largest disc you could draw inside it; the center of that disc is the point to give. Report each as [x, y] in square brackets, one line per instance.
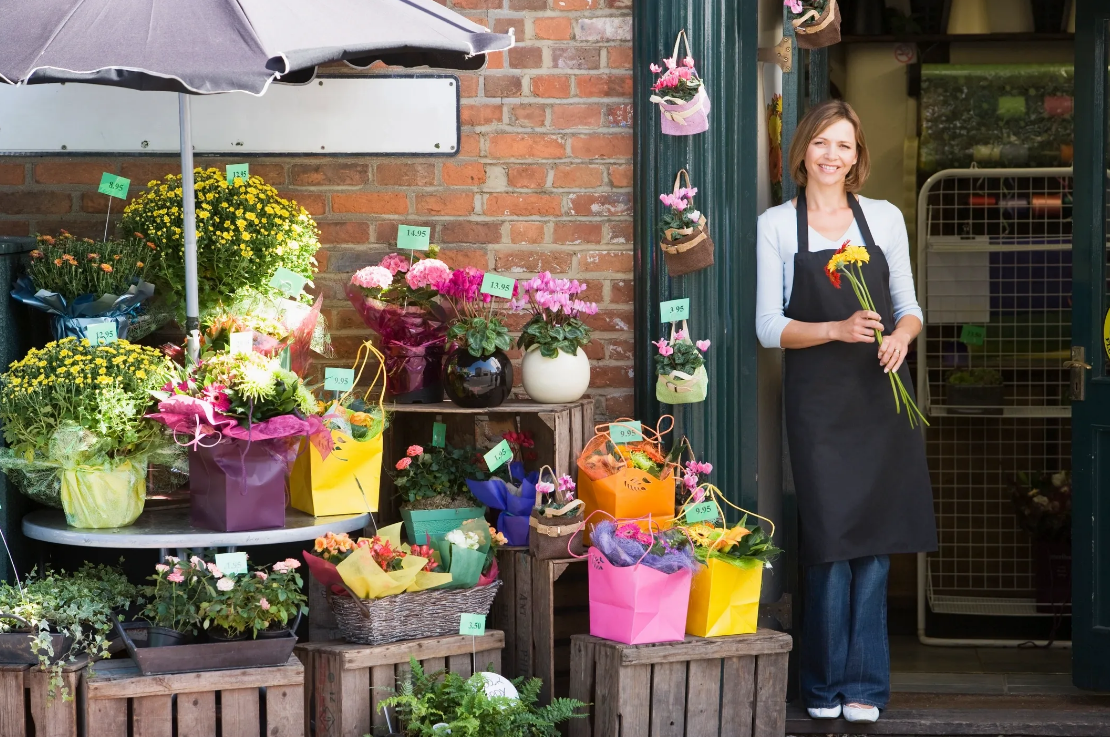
[683, 117]
[637, 605]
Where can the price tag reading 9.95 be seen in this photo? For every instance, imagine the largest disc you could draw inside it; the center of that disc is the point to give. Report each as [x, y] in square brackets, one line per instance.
[498, 286]
[473, 625]
[702, 512]
[499, 456]
[338, 379]
[674, 310]
[628, 431]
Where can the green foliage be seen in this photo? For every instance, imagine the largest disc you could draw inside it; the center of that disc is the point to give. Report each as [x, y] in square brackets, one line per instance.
[480, 336]
[755, 546]
[685, 358]
[439, 472]
[425, 700]
[678, 220]
[975, 377]
[567, 337]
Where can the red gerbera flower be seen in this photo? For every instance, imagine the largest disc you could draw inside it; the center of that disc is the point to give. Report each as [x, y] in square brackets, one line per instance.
[834, 276]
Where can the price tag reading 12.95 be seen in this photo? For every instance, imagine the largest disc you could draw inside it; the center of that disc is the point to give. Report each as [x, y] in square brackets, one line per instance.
[473, 625]
[500, 454]
[338, 379]
[676, 309]
[702, 512]
[101, 333]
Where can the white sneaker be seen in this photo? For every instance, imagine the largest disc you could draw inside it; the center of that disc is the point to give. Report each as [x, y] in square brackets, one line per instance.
[868, 714]
[830, 713]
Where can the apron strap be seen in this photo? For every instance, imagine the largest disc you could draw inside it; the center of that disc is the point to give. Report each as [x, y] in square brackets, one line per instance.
[803, 221]
[861, 220]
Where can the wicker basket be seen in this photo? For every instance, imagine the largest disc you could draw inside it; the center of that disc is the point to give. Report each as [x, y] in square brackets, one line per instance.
[551, 536]
[431, 613]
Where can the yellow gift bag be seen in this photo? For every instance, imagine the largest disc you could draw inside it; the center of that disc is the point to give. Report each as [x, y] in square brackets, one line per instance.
[348, 481]
[106, 496]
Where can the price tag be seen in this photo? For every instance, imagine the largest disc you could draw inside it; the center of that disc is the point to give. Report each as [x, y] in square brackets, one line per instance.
[500, 455]
[288, 281]
[413, 237]
[498, 286]
[473, 625]
[242, 342]
[702, 512]
[973, 334]
[626, 432]
[439, 435]
[238, 171]
[231, 564]
[338, 379]
[114, 186]
[676, 309]
[101, 333]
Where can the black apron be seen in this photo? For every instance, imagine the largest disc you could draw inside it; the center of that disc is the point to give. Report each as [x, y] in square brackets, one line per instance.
[859, 470]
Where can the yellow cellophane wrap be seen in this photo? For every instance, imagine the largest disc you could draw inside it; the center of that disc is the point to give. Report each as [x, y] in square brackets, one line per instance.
[105, 496]
[367, 580]
[724, 599]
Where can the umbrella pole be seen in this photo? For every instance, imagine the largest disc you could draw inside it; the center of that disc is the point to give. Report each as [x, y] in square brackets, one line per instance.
[188, 207]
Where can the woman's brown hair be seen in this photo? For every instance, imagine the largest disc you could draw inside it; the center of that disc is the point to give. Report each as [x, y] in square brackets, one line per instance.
[810, 126]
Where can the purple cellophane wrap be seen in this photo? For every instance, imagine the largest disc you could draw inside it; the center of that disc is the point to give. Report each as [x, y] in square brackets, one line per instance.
[516, 507]
[623, 552]
[413, 340]
[238, 485]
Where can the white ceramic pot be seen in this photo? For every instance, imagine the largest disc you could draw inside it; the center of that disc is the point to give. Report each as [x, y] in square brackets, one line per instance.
[969, 16]
[558, 380]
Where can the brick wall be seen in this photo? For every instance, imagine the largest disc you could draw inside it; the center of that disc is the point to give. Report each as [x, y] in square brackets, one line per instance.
[543, 180]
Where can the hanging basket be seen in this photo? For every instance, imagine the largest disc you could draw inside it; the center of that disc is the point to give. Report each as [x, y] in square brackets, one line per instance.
[816, 31]
[687, 249]
[683, 117]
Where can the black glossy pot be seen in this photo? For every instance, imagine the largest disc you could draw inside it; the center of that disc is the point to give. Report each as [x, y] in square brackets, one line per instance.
[477, 382]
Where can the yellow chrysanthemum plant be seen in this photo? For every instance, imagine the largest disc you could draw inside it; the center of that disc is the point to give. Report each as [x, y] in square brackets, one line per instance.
[245, 233]
[73, 419]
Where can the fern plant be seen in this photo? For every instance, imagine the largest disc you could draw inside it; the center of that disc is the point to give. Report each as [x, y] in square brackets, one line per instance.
[425, 700]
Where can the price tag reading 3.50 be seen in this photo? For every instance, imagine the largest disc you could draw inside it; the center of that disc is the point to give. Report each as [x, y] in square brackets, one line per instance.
[338, 379]
[413, 238]
[499, 456]
[114, 186]
[629, 431]
[973, 334]
[702, 512]
[473, 625]
[439, 434]
[676, 309]
[498, 286]
[102, 333]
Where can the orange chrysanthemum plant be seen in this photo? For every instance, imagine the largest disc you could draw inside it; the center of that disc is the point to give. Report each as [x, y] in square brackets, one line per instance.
[849, 260]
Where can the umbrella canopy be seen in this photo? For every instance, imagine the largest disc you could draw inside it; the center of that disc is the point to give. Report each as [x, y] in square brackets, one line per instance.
[211, 46]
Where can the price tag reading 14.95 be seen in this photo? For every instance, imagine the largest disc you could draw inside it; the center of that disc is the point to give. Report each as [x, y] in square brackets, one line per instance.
[473, 625]
[676, 309]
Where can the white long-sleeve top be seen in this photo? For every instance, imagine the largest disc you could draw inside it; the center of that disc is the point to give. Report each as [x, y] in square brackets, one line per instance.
[777, 242]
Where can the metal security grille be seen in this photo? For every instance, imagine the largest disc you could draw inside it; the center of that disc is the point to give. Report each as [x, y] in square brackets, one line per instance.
[994, 258]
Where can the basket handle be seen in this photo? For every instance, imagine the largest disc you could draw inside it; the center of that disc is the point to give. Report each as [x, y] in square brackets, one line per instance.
[362, 608]
[582, 526]
[685, 40]
[678, 180]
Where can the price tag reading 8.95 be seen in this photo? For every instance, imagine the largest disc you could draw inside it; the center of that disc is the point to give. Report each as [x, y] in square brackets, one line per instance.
[473, 625]
[702, 512]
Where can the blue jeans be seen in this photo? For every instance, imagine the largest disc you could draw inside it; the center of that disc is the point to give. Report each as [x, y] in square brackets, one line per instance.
[845, 651]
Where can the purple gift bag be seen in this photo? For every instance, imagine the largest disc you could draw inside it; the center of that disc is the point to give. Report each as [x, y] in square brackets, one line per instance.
[238, 485]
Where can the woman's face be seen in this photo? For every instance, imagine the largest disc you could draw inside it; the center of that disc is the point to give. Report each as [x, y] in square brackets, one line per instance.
[831, 154]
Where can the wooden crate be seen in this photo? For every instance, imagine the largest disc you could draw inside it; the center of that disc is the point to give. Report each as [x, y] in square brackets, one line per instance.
[512, 610]
[25, 707]
[121, 702]
[561, 431]
[347, 681]
[675, 688]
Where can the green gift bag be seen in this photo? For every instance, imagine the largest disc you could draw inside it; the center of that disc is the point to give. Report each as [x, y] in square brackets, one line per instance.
[673, 385]
[464, 564]
[681, 388]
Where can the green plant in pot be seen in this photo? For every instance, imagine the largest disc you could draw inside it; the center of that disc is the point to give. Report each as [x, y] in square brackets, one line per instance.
[483, 705]
[174, 601]
[977, 391]
[431, 486]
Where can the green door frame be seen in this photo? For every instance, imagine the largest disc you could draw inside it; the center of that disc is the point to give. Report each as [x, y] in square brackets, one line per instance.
[722, 163]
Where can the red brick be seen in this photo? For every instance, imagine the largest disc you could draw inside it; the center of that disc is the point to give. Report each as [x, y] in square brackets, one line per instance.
[470, 145]
[526, 233]
[619, 405]
[611, 261]
[594, 291]
[405, 175]
[577, 176]
[503, 85]
[502, 25]
[575, 116]
[527, 177]
[464, 175]
[333, 232]
[39, 203]
[480, 114]
[533, 116]
[371, 203]
[468, 85]
[602, 147]
[572, 233]
[618, 116]
[594, 350]
[445, 204]
[620, 176]
[576, 57]
[142, 172]
[611, 321]
[608, 28]
[523, 204]
[385, 231]
[324, 175]
[461, 258]
[315, 204]
[470, 231]
[604, 85]
[477, 4]
[602, 377]
[553, 29]
[524, 146]
[94, 202]
[495, 60]
[622, 350]
[620, 232]
[270, 173]
[533, 261]
[601, 205]
[573, 4]
[15, 227]
[346, 319]
[526, 57]
[620, 57]
[12, 174]
[527, 4]
[74, 172]
[551, 85]
[621, 291]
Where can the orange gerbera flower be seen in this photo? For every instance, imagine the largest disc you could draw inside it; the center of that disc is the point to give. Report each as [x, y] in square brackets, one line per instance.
[106, 268]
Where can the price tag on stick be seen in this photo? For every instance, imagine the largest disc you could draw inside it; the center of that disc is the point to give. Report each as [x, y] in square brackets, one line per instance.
[675, 309]
[288, 281]
[238, 171]
[499, 456]
[498, 286]
[413, 237]
[101, 333]
[114, 186]
[973, 334]
[702, 512]
[626, 432]
[241, 342]
[231, 564]
[473, 625]
[338, 379]
[439, 435]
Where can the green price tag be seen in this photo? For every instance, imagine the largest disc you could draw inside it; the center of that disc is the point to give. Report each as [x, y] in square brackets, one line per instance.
[231, 564]
[626, 432]
[238, 171]
[500, 454]
[473, 625]
[338, 379]
[101, 333]
[702, 512]
[242, 342]
[498, 286]
[973, 334]
[413, 238]
[676, 309]
[288, 281]
[439, 435]
[114, 186]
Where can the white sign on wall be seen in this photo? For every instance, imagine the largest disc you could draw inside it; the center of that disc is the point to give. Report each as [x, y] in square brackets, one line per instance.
[395, 114]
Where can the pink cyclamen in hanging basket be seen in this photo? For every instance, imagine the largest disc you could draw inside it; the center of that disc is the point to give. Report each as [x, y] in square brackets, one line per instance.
[680, 95]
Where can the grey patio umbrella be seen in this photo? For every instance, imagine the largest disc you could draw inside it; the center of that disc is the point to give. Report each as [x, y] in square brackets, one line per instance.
[213, 46]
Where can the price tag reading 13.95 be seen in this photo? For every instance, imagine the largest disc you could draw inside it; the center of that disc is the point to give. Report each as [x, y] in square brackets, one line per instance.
[498, 286]
[676, 309]
[702, 512]
[473, 625]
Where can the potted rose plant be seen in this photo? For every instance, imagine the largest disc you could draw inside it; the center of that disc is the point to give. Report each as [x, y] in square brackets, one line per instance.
[432, 487]
[476, 372]
[555, 367]
[173, 601]
[253, 605]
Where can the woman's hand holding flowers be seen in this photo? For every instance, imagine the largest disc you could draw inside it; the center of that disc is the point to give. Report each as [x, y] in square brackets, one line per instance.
[859, 328]
[893, 351]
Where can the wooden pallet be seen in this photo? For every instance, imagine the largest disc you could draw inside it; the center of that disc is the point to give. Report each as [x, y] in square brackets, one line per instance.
[675, 688]
[26, 708]
[121, 702]
[347, 681]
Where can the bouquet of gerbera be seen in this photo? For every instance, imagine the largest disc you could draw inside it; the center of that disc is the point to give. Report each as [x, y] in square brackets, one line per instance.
[848, 260]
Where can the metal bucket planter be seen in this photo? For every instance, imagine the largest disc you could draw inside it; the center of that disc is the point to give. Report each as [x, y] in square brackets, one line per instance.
[15, 647]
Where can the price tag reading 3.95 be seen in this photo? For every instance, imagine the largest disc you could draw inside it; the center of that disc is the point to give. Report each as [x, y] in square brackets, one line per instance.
[338, 379]
[499, 456]
[473, 625]
[674, 310]
[702, 512]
